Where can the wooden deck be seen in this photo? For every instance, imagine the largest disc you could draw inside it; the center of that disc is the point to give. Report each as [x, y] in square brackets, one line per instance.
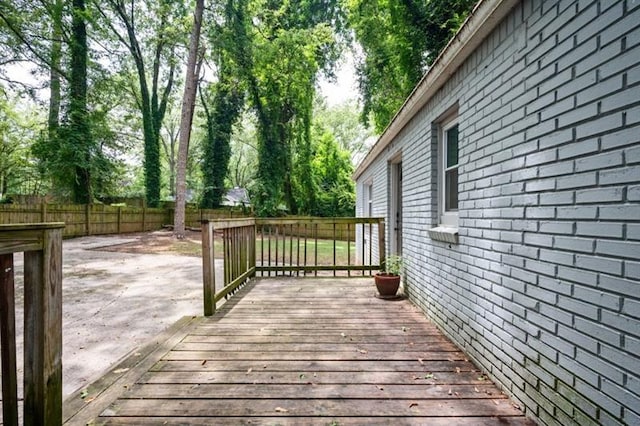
[299, 351]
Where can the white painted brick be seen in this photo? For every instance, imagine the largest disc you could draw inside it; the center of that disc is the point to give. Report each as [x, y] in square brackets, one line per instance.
[600, 229]
[602, 161]
[633, 231]
[577, 180]
[583, 212]
[577, 276]
[599, 195]
[578, 148]
[600, 264]
[600, 125]
[620, 138]
[620, 212]
[633, 193]
[562, 228]
[582, 245]
[618, 176]
[557, 198]
[626, 249]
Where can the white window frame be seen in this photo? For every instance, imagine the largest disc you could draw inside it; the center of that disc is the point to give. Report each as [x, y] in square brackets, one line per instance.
[369, 199]
[448, 218]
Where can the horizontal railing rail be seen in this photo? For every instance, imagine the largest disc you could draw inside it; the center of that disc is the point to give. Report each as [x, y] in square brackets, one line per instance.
[42, 247]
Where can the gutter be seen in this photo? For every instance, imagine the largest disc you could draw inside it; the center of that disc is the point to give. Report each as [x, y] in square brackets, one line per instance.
[484, 18]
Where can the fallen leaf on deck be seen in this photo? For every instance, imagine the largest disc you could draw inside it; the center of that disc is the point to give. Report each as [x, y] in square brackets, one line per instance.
[281, 410]
[476, 389]
[380, 387]
[457, 370]
[249, 370]
[120, 370]
[88, 400]
[429, 376]
[450, 392]
[302, 376]
[420, 361]
[343, 335]
[84, 393]
[203, 362]
[413, 404]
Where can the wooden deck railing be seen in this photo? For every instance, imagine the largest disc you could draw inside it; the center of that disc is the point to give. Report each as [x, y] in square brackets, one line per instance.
[295, 246]
[304, 246]
[42, 247]
[239, 254]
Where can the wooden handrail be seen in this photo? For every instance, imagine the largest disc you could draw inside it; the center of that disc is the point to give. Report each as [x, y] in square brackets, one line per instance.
[239, 250]
[42, 247]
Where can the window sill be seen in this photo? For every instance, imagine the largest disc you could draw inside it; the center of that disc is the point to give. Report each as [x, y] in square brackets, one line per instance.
[444, 233]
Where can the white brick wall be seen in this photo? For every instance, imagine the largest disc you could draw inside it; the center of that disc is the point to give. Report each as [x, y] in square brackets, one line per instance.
[543, 289]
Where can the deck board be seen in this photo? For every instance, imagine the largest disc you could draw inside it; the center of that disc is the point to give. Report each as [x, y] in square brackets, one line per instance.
[308, 351]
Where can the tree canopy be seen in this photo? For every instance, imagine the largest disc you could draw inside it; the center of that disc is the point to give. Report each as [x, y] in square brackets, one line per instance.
[106, 78]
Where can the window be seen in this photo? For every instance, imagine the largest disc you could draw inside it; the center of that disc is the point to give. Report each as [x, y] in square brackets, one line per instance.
[369, 200]
[448, 174]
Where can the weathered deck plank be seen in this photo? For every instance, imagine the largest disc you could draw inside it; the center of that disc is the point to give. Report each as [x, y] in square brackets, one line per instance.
[310, 351]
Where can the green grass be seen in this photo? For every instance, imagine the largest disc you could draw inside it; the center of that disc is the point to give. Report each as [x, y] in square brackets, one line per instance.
[323, 250]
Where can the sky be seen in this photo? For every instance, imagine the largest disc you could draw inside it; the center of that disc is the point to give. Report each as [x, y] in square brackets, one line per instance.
[345, 87]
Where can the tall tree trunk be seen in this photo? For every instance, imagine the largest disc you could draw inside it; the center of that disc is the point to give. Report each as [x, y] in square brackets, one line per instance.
[54, 76]
[78, 116]
[153, 104]
[188, 105]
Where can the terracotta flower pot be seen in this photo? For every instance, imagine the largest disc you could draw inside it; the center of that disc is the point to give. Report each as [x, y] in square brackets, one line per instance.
[387, 284]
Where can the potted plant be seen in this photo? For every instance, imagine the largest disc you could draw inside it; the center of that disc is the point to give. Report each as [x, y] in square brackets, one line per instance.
[388, 281]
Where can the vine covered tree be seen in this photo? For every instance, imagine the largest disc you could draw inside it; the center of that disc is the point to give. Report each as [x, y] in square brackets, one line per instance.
[400, 39]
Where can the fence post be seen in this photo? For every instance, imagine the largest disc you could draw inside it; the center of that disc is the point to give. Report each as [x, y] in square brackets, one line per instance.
[8, 339]
[87, 218]
[44, 211]
[208, 268]
[119, 218]
[144, 218]
[382, 246]
[43, 331]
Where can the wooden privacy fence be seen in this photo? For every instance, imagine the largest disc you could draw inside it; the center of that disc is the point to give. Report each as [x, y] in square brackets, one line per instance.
[289, 246]
[42, 247]
[99, 219]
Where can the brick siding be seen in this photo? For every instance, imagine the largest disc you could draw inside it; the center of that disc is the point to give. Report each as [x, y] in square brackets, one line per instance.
[543, 289]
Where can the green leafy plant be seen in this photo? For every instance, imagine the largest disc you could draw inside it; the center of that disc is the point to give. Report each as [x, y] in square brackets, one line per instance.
[393, 265]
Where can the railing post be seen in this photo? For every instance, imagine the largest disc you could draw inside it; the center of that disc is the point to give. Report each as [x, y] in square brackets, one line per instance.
[8, 341]
[43, 331]
[208, 271]
[382, 246]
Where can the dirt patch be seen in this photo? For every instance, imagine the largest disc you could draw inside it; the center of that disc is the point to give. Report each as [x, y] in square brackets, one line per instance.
[159, 242]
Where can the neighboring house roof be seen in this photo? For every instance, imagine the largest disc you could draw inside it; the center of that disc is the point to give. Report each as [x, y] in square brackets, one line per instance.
[236, 197]
[483, 19]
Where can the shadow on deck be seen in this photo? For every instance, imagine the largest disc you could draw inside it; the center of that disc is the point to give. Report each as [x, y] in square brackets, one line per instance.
[298, 351]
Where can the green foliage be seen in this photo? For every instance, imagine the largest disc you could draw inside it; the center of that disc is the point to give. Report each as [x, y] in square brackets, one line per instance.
[400, 39]
[393, 265]
[332, 170]
[293, 48]
[225, 109]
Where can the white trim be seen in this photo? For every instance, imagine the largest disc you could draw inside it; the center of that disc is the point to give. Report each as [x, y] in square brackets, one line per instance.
[448, 218]
[479, 24]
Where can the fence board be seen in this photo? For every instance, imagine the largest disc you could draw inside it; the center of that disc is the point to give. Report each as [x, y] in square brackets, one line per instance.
[105, 219]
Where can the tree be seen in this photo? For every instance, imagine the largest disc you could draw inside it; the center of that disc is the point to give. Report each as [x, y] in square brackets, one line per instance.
[294, 48]
[153, 34]
[188, 105]
[222, 102]
[399, 39]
